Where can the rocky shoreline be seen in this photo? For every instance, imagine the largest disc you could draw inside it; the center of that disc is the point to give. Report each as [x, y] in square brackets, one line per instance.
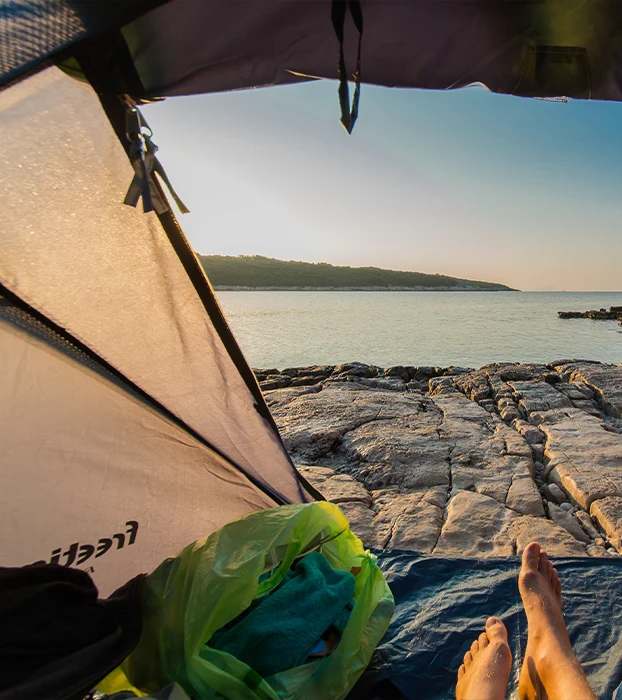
[613, 314]
[461, 462]
[421, 288]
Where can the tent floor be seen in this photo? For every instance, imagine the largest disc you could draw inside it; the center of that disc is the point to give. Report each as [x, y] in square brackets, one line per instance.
[442, 605]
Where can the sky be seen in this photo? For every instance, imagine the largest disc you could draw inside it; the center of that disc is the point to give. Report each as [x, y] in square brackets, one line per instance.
[466, 183]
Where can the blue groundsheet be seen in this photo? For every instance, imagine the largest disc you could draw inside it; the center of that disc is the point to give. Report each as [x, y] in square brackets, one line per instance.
[442, 605]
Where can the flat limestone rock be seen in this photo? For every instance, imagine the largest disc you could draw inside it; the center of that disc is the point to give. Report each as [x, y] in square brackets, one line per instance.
[596, 551]
[539, 396]
[505, 478]
[316, 475]
[608, 512]
[337, 488]
[403, 452]
[436, 472]
[524, 497]
[555, 539]
[342, 488]
[437, 496]
[586, 524]
[456, 406]
[361, 520]
[566, 520]
[487, 482]
[530, 433]
[475, 526]
[515, 444]
[584, 457]
[509, 414]
[311, 424]
[604, 380]
[389, 384]
[281, 397]
[409, 521]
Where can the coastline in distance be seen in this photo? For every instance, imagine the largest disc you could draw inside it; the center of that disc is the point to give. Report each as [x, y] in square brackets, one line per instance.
[259, 273]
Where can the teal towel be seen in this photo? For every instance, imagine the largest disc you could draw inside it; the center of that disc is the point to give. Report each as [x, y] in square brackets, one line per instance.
[279, 631]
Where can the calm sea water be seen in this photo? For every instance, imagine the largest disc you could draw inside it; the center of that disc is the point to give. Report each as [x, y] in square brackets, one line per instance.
[288, 329]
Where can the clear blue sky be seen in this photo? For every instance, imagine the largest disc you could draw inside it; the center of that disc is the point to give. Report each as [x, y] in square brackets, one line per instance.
[465, 183]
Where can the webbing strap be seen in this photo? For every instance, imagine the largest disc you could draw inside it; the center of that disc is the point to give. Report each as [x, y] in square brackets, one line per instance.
[142, 162]
[338, 15]
[142, 154]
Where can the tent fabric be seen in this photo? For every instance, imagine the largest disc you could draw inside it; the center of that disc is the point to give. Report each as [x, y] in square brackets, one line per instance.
[109, 275]
[441, 606]
[520, 47]
[543, 48]
[32, 31]
[90, 476]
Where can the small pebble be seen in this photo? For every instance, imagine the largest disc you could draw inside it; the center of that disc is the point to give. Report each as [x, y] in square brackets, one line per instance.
[566, 507]
[599, 541]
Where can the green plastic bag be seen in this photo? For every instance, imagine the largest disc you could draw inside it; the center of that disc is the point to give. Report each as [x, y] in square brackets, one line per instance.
[210, 582]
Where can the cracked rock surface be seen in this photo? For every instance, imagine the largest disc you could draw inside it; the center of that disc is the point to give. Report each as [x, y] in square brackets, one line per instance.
[461, 462]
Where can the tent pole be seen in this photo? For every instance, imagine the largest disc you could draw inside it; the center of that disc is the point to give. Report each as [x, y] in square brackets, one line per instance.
[115, 107]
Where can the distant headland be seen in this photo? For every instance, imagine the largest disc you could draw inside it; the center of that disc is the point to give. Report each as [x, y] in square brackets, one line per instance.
[259, 273]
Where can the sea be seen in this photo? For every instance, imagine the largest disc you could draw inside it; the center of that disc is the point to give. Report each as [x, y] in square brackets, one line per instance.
[277, 329]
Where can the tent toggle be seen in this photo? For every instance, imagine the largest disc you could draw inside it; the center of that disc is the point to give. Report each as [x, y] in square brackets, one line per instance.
[338, 17]
[143, 157]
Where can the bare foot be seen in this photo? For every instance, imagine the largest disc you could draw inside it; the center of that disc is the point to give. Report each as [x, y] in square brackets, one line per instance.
[486, 668]
[550, 670]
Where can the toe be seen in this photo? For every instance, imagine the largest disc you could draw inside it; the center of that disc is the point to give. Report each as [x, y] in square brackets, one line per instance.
[558, 586]
[542, 562]
[531, 555]
[483, 640]
[495, 629]
[461, 672]
[467, 658]
[474, 648]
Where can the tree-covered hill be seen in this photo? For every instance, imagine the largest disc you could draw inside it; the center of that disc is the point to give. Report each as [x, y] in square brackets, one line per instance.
[256, 271]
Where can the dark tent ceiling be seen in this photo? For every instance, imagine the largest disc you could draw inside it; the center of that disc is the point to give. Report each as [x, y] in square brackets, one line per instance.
[541, 48]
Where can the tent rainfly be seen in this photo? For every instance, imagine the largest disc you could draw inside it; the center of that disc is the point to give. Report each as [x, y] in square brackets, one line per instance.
[131, 423]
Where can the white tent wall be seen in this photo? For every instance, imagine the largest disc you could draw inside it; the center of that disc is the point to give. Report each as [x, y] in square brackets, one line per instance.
[108, 274]
[93, 477]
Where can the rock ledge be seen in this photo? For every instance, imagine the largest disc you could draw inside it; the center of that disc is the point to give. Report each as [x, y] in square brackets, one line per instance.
[461, 462]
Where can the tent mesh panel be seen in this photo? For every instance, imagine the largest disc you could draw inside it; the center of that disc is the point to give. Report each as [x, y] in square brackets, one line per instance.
[22, 319]
[33, 29]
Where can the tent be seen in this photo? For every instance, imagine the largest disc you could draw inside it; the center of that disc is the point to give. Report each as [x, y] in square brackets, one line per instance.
[131, 422]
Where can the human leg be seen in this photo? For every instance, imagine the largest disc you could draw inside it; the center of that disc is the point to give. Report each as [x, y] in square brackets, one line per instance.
[550, 670]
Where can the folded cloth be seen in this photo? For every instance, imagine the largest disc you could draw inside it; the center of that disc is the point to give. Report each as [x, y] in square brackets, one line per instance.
[57, 640]
[281, 629]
